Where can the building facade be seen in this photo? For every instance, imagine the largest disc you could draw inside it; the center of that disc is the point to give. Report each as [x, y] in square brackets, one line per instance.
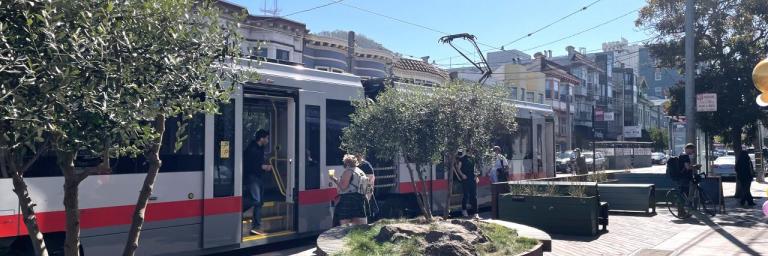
[558, 93]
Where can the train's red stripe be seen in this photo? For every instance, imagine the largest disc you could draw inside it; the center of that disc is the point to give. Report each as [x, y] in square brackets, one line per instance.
[317, 196]
[121, 215]
[407, 187]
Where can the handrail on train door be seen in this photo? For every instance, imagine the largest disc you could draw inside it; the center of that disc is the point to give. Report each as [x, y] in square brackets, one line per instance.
[273, 160]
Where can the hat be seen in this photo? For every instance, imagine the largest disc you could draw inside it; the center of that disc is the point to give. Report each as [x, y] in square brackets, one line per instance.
[690, 145]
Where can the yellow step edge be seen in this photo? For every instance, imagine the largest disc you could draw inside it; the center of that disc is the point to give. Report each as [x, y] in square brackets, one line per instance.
[273, 218]
[276, 234]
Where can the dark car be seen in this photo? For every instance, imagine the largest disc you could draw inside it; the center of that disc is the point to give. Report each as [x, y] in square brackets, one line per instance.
[565, 161]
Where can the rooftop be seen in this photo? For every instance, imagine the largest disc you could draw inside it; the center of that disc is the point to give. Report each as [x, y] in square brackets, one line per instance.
[419, 65]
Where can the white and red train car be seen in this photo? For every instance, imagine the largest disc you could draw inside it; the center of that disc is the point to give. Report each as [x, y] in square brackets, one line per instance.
[196, 207]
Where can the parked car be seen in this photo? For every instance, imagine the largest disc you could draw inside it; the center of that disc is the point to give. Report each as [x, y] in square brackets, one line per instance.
[724, 166]
[600, 161]
[565, 161]
[658, 158]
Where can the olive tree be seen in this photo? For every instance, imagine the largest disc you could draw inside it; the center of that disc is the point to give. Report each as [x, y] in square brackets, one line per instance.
[100, 78]
[427, 125]
[27, 98]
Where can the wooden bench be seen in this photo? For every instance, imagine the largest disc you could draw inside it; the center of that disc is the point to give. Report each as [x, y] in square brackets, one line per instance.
[662, 183]
[629, 197]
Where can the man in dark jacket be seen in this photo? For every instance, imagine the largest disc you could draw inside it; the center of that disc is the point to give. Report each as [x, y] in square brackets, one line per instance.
[253, 183]
[744, 176]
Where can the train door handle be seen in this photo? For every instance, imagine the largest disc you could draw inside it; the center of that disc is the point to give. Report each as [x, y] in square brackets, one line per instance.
[152, 198]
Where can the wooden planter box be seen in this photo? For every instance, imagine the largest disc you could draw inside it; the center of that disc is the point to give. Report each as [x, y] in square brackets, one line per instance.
[553, 214]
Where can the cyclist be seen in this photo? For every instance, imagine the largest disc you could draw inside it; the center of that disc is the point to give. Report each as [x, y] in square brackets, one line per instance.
[688, 169]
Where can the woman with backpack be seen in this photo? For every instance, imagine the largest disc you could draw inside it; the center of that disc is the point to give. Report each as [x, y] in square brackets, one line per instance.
[352, 186]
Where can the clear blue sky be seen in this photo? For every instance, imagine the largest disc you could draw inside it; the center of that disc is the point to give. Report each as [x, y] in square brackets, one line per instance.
[494, 22]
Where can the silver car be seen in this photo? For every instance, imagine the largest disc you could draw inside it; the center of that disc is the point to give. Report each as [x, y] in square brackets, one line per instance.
[600, 161]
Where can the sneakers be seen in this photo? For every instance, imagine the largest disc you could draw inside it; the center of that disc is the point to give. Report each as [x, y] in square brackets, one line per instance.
[476, 216]
[464, 213]
[256, 232]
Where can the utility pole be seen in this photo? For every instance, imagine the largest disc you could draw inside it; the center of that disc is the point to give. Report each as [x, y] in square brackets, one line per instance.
[594, 140]
[690, 62]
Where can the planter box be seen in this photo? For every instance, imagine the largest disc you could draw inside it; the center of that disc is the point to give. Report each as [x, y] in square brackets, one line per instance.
[553, 214]
[661, 182]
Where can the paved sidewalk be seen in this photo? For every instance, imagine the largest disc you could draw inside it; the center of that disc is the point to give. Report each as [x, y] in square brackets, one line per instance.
[740, 231]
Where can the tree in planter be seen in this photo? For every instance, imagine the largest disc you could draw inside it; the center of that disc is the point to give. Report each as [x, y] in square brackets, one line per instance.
[401, 123]
[428, 125]
[730, 39]
[471, 115]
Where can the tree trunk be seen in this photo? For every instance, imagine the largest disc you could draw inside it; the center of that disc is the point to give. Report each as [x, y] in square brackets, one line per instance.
[449, 164]
[424, 192]
[71, 204]
[736, 138]
[28, 212]
[419, 200]
[153, 158]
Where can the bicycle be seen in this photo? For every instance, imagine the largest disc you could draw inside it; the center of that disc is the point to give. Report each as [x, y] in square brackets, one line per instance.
[681, 205]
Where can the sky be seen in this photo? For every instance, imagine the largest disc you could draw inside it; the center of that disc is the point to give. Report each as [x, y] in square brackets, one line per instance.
[493, 22]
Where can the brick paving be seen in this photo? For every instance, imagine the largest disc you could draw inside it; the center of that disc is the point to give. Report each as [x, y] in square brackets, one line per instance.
[741, 231]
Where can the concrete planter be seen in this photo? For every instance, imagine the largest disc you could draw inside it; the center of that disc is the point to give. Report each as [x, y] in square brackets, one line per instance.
[553, 214]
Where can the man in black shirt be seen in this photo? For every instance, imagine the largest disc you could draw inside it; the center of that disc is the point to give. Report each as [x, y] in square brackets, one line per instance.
[469, 180]
[688, 168]
[254, 166]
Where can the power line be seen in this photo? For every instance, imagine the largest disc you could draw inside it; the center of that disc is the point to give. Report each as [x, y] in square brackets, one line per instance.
[583, 31]
[553, 23]
[313, 8]
[409, 23]
[540, 29]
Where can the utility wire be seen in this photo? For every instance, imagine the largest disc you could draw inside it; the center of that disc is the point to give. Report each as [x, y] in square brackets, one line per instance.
[410, 23]
[540, 29]
[313, 8]
[583, 31]
[553, 23]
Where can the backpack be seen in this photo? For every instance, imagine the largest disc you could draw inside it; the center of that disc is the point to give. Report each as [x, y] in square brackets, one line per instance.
[359, 183]
[502, 173]
[673, 168]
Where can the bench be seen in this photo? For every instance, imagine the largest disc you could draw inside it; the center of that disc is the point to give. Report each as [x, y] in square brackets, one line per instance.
[661, 181]
[629, 197]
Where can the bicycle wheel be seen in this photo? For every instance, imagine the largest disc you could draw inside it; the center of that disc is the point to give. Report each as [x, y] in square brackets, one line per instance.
[676, 204]
[707, 204]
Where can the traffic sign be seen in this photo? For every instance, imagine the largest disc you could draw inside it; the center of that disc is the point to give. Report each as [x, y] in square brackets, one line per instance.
[633, 132]
[706, 102]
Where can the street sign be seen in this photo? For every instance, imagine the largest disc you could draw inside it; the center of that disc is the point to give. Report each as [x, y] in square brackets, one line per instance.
[633, 132]
[608, 116]
[706, 102]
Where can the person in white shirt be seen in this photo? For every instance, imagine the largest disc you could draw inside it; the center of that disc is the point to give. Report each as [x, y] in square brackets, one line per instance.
[499, 171]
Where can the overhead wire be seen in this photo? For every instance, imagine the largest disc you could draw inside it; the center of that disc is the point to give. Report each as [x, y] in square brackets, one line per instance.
[584, 31]
[584, 8]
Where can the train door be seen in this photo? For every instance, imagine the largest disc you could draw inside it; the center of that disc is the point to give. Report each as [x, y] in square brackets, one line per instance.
[277, 214]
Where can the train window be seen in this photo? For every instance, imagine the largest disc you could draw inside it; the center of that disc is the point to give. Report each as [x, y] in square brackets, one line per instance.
[223, 153]
[312, 140]
[189, 157]
[336, 119]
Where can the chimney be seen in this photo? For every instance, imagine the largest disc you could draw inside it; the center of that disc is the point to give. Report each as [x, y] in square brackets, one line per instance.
[351, 52]
[453, 76]
[538, 55]
[570, 49]
[425, 59]
[583, 50]
[548, 53]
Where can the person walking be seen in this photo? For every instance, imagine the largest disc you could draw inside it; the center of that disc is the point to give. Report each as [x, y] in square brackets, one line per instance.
[500, 171]
[350, 210]
[469, 180]
[253, 186]
[744, 175]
